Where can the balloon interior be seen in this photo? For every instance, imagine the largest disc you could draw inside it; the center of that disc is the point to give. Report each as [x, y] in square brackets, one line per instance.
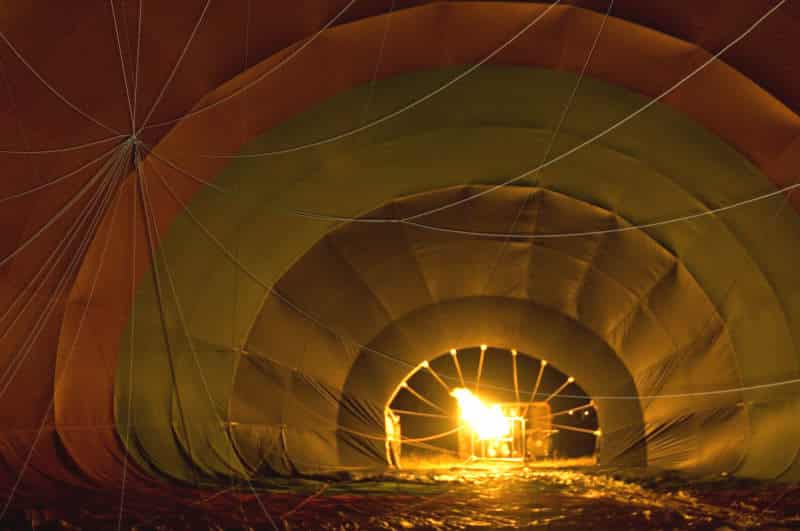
[485, 427]
[263, 263]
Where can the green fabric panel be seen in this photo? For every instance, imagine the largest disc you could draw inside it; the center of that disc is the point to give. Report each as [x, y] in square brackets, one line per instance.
[487, 128]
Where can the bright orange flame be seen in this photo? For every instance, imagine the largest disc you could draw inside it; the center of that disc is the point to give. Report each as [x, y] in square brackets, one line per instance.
[487, 422]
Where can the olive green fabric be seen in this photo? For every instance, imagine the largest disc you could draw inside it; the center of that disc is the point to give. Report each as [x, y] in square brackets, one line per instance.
[254, 413]
[386, 274]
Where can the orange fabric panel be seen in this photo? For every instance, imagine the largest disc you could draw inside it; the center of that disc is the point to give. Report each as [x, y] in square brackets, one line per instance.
[91, 338]
[35, 280]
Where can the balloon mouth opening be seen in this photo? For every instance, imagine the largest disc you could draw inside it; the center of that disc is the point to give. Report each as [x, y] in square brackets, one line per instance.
[487, 422]
[465, 423]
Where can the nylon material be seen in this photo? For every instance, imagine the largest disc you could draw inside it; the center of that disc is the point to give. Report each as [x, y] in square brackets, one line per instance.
[704, 438]
[672, 302]
[373, 262]
[471, 40]
[262, 451]
[634, 325]
[27, 363]
[671, 442]
[318, 404]
[762, 333]
[22, 217]
[767, 210]
[321, 397]
[355, 451]
[674, 447]
[647, 344]
[155, 357]
[214, 271]
[99, 453]
[714, 441]
[604, 315]
[484, 215]
[622, 251]
[275, 338]
[48, 473]
[792, 471]
[582, 281]
[260, 413]
[199, 322]
[313, 409]
[624, 446]
[554, 279]
[498, 221]
[462, 148]
[719, 287]
[710, 354]
[506, 265]
[256, 381]
[202, 399]
[781, 124]
[152, 404]
[273, 29]
[317, 455]
[687, 378]
[328, 284]
[773, 426]
[509, 275]
[702, 24]
[724, 436]
[782, 168]
[468, 263]
[167, 447]
[652, 318]
[480, 263]
[557, 213]
[779, 273]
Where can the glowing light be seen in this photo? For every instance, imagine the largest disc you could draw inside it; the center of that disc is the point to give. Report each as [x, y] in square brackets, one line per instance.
[392, 424]
[424, 364]
[484, 347]
[487, 422]
[452, 352]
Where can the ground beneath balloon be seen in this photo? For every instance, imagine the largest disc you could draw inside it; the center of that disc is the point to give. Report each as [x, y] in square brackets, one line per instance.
[531, 498]
[460, 498]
